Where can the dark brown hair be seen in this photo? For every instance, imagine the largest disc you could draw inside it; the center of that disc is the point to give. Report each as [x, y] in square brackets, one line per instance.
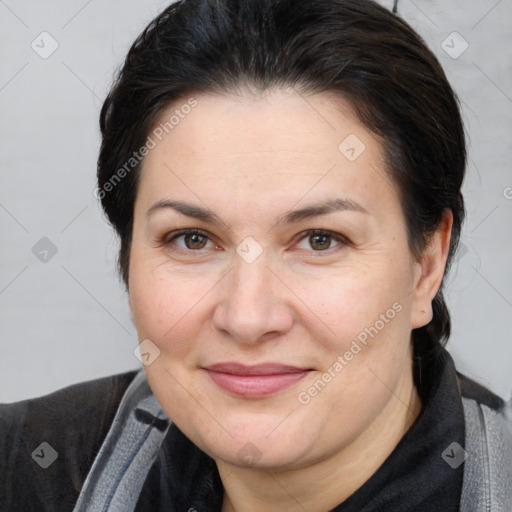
[354, 48]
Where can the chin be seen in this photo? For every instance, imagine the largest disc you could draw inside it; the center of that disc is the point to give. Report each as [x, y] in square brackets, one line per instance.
[259, 455]
[256, 443]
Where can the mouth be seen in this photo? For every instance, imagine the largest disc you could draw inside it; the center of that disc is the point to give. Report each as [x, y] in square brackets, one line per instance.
[255, 381]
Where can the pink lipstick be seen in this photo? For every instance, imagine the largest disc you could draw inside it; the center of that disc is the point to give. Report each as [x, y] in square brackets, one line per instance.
[255, 381]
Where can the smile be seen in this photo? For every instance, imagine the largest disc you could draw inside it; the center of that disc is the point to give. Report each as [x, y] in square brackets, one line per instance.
[254, 381]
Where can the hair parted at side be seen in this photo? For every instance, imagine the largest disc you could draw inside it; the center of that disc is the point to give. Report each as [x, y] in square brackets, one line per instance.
[356, 49]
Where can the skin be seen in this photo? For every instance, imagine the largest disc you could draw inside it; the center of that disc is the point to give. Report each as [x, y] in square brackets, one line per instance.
[251, 159]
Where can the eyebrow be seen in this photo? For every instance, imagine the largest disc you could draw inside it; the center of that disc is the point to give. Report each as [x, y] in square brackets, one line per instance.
[188, 209]
[322, 208]
[314, 210]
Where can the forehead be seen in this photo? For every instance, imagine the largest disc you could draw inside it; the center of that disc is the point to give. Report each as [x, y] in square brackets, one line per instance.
[269, 149]
[276, 121]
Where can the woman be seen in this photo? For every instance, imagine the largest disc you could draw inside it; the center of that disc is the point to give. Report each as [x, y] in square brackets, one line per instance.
[285, 179]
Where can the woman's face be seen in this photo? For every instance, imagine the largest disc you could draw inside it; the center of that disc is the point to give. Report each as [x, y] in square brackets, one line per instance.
[270, 271]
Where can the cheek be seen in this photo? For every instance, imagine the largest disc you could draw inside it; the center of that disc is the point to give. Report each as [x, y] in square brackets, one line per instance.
[169, 310]
[346, 305]
[364, 346]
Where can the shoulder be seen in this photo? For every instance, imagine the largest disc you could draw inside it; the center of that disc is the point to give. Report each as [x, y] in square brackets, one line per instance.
[49, 443]
[488, 439]
[473, 390]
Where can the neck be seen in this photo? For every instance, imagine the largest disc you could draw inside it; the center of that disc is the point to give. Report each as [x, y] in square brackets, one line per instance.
[328, 482]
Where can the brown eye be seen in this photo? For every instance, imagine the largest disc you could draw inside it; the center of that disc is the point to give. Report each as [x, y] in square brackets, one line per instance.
[189, 240]
[317, 240]
[320, 242]
[195, 241]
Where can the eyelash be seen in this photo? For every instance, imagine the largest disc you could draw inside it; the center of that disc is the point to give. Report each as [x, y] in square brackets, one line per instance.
[168, 239]
[340, 239]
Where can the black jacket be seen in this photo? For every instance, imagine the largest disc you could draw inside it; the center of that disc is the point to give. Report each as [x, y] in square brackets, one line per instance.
[74, 421]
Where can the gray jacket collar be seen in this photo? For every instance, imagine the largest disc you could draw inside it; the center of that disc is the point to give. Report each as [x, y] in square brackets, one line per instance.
[118, 473]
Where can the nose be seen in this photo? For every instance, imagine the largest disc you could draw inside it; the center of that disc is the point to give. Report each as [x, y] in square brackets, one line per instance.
[253, 305]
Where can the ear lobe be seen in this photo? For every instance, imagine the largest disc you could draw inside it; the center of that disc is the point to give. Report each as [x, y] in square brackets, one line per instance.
[432, 265]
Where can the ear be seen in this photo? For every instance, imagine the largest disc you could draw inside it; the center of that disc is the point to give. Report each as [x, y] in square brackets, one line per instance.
[430, 271]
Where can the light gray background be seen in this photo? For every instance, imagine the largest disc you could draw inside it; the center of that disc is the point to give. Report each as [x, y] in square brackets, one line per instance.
[67, 320]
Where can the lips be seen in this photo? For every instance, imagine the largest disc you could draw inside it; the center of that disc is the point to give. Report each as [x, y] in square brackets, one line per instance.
[255, 381]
